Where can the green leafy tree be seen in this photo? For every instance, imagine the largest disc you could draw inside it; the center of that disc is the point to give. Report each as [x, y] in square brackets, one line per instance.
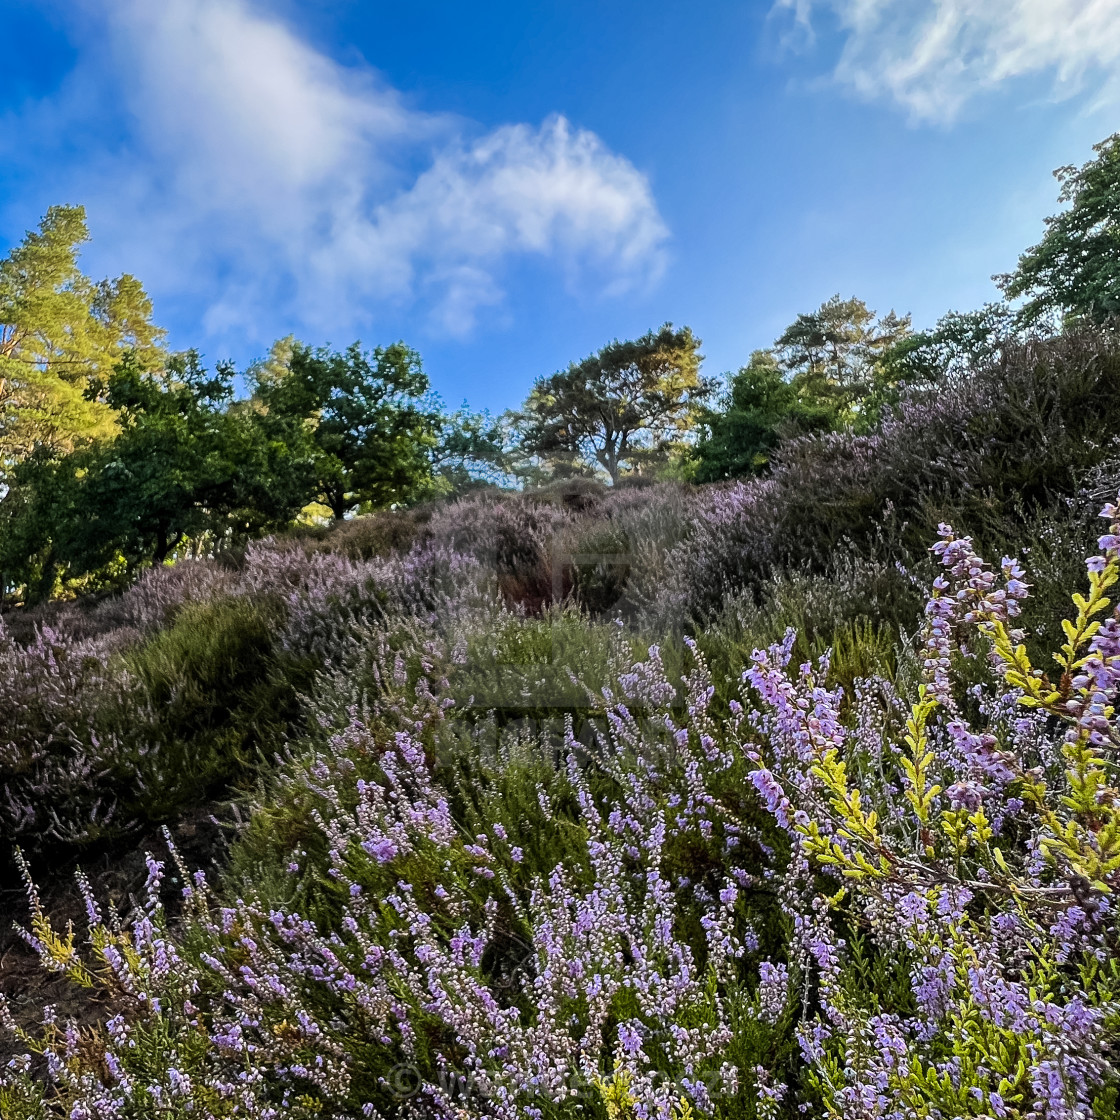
[364, 414]
[1074, 271]
[831, 355]
[629, 405]
[472, 451]
[829, 369]
[959, 344]
[39, 501]
[189, 467]
[760, 409]
[58, 330]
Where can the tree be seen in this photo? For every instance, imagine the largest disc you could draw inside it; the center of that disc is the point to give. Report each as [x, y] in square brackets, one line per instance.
[829, 369]
[622, 408]
[38, 501]
[830, 355]
[471, 451]
[189, 467]
[1075, 269]
[958, 345]
[760, 409]
[369, 425]
[58, 330]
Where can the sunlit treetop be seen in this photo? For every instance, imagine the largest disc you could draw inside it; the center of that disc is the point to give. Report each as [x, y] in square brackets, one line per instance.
[1074, 271]
[59, 330]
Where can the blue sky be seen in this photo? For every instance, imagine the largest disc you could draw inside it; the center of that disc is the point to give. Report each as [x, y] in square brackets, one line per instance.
[508, 186]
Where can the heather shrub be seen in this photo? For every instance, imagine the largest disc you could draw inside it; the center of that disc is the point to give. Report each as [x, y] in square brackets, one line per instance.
[536, 668]
[730, 548]
[577, 495]
[518, 981]
[103, 736]
[220, 697]
[607, 550]
[650, 522]
[507, 679]
[157, 595]
[336, 618]
[657, 802]
[1051, 545]
[517, 539]
[859, 608]
[61, 766]
[377, 534]
[976, 843]
[884, 900]
[601, 568]
[1010, 441]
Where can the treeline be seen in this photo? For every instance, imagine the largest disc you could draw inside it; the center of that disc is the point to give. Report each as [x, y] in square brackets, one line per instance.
[116, 454]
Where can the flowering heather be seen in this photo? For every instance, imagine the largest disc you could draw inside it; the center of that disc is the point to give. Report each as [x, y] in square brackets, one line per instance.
[605, 982]
[507, 856]
[57, 767]
[991, 848]
[1014, 437]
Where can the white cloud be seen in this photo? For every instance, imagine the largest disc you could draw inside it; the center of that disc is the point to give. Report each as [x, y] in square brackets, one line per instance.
[932, 56]
[257, 168]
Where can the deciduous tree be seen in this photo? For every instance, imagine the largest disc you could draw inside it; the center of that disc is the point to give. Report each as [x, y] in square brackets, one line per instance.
[760, 409]
[365, 412]
[830, 368]
[1075, 269]
[626, 406]
[188, 467]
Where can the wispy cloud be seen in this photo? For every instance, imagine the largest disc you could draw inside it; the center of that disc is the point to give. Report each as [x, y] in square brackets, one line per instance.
[932, 56]
[222, 153]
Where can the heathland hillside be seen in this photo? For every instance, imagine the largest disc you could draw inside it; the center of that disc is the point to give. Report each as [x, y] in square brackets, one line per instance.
[749, 759]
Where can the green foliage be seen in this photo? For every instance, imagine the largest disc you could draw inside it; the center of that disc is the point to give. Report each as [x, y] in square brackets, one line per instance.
[188, 467]
[941, 845]
[857, 610]
[58, 329]
[472, 452]
[191, 469]
[495, 775]
[219, 695]
[602, 568]
[102, 739]
[539, 668]
[961, 343]
[1074, 271]
[832, 368]
[380, 533]
[761, 408]
[831, 355]
[620, 409]
[361, 414]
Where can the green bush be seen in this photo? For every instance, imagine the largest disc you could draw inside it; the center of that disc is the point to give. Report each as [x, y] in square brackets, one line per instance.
[219, 697]
[543, 667]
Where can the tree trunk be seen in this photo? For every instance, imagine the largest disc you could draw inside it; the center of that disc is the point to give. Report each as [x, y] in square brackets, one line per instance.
[162, 546]
[44, 585]
[609, 458]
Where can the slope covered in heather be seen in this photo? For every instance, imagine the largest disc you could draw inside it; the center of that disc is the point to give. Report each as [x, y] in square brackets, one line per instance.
[660, 800]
